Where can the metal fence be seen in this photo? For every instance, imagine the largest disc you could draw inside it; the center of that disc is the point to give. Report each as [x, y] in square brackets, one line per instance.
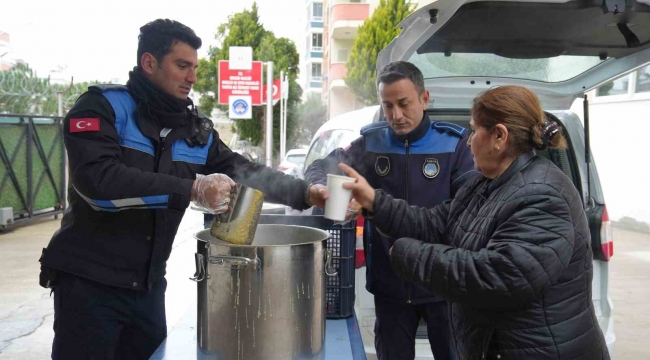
[22, 92]
[32, 167]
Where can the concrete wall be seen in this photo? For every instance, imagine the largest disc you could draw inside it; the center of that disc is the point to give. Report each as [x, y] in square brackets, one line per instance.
[342, 101]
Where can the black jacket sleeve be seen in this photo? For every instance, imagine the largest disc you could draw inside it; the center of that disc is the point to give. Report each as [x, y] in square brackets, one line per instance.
[529, 250]
[396, 218]
[317, 172]
[276, 186]
[464, 169]
[95, 168]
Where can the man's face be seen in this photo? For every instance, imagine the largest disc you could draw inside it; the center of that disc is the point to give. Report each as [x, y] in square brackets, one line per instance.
[402, 105]
[176, 73]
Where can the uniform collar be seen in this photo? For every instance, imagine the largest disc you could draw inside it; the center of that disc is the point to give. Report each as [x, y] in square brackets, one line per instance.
[152, 130]
[417, 133]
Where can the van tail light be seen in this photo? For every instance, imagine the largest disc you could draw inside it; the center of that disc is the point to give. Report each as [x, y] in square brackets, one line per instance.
[606, 236]
[360, 256]
[602, 239]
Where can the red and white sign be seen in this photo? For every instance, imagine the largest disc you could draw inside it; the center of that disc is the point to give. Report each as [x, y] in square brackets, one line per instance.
[240, 57]
[277, 84]
[240, 82]
[84, 124]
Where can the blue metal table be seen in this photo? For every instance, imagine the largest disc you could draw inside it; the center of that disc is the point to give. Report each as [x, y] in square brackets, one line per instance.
[342, 340]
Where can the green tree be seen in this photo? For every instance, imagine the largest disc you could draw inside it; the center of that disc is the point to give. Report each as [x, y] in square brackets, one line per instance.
[313, 114]
[375, 33]
[23, 93]
[244, 29]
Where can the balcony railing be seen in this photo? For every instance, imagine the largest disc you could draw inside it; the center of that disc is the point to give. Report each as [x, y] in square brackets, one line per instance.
[348, 12]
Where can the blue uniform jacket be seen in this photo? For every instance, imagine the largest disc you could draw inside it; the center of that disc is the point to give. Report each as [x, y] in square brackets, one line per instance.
[425, 168]
[130, 183]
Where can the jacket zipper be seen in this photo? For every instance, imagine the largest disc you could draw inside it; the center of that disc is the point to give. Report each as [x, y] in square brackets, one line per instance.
[406, 145]
[406, 197]
[161, 147]
[160, 150]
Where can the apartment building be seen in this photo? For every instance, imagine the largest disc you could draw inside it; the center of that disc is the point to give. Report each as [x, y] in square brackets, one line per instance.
[342, 21]
[313, 55]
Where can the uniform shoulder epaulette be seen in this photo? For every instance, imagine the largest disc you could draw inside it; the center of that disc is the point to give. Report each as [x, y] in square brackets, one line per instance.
[373, 127]
[106, 87]
[449, 127]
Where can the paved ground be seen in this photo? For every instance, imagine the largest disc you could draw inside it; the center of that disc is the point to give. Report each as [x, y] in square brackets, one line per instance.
[26, 309]
[629, 281]
[26, 313]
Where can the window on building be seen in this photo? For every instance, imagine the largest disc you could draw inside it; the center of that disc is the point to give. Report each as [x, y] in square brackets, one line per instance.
[316, 72]
[619, 86]
[342, 55]
[317, 11]
[643, 80]
[317, 42]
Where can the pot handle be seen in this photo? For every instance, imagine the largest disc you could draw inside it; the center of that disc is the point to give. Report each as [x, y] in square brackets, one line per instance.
[234, 262]
[199, 275]
[328, 264]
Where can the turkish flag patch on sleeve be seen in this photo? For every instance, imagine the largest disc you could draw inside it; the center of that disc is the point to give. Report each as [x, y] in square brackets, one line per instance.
[84, 124]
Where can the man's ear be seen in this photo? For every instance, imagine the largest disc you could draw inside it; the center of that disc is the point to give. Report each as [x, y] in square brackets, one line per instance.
[424, 98]
[148, 63]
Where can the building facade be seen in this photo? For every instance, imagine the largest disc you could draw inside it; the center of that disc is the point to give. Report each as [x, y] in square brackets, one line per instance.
[313, 51]
[342, 21]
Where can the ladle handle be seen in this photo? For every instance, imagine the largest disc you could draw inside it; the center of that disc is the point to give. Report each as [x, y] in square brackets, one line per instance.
[328, 264]
[199, 275]
[226, 216]
[234, 262]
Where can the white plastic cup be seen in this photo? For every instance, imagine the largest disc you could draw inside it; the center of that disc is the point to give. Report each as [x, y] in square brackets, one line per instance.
[336, 206]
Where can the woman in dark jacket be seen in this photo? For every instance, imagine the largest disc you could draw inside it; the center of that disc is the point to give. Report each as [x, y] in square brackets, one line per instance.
[511, 252]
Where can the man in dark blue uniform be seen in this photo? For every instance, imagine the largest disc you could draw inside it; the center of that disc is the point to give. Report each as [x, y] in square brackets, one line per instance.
[134, 155]
[423, 162]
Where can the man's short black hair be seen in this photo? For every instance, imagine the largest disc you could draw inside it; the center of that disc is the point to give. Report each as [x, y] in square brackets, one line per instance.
[158, 37]
[399, 70]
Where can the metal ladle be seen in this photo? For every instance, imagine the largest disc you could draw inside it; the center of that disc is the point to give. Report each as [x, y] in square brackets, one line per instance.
[238, 224]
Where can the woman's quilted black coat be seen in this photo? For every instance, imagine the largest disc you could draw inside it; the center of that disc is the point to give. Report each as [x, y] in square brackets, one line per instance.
[512, 256]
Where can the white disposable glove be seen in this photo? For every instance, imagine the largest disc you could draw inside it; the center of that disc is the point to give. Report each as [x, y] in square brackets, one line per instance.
[212, 193]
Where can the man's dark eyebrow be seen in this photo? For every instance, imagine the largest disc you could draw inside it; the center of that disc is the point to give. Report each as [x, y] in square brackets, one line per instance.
[398, 100]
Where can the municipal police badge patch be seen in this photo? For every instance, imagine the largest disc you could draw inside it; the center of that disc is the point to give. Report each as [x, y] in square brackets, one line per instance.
[431, 168]
[382, 166]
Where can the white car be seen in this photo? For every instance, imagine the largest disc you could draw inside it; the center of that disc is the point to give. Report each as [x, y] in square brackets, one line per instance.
[339, 132]
[293, 158]
[559, 49]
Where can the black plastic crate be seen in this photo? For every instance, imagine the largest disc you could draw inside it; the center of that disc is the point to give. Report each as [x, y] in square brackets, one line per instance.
[339, 295]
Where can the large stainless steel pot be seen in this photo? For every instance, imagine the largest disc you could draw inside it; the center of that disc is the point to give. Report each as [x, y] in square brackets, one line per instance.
[263, 301]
